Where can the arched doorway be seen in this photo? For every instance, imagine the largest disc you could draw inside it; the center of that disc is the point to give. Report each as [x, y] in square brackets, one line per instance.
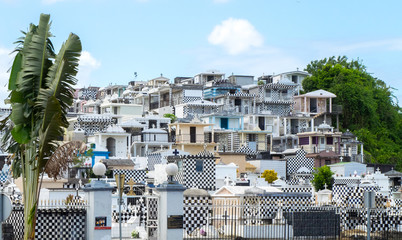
[111, 146]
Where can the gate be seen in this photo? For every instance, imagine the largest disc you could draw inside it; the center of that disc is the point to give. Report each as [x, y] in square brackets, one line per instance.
[258, 222]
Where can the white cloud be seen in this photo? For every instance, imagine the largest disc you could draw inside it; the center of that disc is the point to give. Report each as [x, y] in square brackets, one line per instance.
[87, 65]
[87, 60]
[236, 36]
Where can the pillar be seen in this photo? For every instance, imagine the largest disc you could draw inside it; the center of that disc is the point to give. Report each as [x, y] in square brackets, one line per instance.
[330, 105]
[312, 125]
[305, 104]
[170, 216]
[284, 127]
[99, 212]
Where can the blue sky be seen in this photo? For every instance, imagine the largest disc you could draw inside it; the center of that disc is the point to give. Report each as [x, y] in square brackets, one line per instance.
[184, 38]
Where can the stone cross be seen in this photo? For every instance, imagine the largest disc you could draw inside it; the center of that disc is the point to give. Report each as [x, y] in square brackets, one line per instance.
[325, 185]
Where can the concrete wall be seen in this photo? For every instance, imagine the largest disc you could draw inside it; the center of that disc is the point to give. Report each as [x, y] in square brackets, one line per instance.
[278, 166]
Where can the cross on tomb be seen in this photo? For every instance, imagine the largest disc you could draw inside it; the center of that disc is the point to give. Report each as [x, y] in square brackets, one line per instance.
[226, 216]
[131, 184]
[325, 185]
[175, 152]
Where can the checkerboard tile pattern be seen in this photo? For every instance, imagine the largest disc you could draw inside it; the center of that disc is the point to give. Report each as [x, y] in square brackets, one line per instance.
[17, 220]
[64, 224]
[298, 189]
[353, 196]
[300, 160]
[3, 177]
[93, 123]
[189, 177]
[61, 224]
[136, 175]
[196, 211]
[347, 181]
[153, 159]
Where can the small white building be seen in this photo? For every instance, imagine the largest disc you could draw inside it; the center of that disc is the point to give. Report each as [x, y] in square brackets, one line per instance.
[115, 140]
[225, 171]
[345, 169]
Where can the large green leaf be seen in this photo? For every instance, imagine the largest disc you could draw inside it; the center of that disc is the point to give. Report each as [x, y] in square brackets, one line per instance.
[52, 128]
[20, 134]
[15, 70]
[36, 59]
[17, 115]
[60, 79]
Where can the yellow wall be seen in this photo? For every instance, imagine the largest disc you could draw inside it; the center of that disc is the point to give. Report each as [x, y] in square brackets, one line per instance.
[238, 159]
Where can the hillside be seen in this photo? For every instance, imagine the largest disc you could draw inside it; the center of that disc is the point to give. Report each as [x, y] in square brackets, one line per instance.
[370, 110]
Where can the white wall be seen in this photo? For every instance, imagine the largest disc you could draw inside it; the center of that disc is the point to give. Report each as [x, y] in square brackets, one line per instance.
[278, 166]
[234, 123]
[192, 93]
[179, 111]
[121, 144]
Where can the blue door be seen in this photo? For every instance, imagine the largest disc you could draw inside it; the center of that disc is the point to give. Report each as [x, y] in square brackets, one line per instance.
[224, 123]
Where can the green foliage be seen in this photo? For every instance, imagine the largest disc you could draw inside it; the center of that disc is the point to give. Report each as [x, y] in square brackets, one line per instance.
[79, 160]
[270, 175]
[370, 110]
[135, 234]
[41, 85]
[323, 176]
[260, 82]
[172, 117]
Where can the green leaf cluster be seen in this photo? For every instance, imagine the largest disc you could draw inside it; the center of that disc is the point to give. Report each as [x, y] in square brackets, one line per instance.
[370, 110]
[172, 117]
[322, 176]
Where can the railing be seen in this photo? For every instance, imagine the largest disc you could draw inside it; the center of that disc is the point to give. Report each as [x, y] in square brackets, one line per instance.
[260, 220]
[63, 203]
[190, 138]
[154, 105]
[337, 109]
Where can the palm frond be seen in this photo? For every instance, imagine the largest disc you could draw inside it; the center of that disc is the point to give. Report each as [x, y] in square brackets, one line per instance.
[52, 128]
[61, 76]
[37, 56]
[61, 158]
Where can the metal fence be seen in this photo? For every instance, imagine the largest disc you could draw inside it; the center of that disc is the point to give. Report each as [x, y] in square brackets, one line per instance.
[255, 222]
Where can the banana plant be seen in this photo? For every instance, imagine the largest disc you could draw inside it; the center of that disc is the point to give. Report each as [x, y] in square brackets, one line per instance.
[41, 91]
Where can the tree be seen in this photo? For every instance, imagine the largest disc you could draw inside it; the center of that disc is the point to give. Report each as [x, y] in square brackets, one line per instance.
[370, 110]
[41, 85]
[270, 175]
[172, 117]
[323, 176]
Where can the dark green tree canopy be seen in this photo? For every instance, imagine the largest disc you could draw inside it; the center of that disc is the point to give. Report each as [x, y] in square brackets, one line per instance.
[323, 176]
[370, 110]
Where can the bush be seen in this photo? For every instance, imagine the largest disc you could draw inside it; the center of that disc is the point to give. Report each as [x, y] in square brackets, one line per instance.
[323, 176]
[270, 175]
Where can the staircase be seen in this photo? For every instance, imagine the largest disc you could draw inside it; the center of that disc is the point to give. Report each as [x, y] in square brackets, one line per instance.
[320, 114]
[235, 139]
